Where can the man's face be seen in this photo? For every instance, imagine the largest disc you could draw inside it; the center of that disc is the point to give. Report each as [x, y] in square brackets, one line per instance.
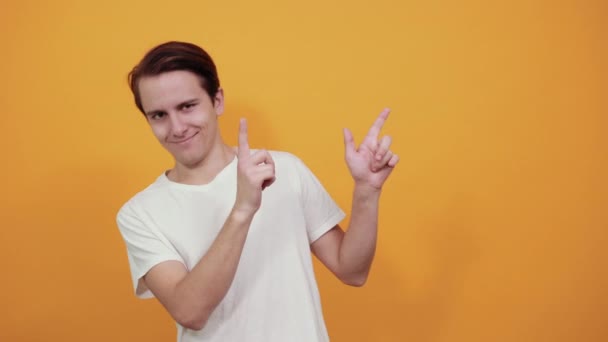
[181, 114]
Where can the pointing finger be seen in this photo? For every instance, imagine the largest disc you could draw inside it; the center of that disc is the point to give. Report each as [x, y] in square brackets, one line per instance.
[243, 142]
[374, 131]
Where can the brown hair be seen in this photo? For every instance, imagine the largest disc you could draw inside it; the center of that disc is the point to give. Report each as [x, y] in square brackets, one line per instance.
[172, 56]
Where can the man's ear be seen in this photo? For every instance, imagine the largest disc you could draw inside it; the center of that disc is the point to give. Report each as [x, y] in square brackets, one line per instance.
[218, 102]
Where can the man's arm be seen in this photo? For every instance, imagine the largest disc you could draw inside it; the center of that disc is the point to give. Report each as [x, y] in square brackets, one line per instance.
[349, 255]
[191, 297]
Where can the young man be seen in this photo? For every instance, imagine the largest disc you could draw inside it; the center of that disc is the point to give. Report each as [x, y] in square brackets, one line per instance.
[223, 239]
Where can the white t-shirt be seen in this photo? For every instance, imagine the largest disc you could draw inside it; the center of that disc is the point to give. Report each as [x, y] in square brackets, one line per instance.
[274, 295]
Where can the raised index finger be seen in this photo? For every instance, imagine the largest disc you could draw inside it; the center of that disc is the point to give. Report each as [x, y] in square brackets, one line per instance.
[243, 143]
[374, 131]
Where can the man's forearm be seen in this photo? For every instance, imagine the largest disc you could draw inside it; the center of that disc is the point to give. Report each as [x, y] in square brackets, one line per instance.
[359, 242]
[208, 282]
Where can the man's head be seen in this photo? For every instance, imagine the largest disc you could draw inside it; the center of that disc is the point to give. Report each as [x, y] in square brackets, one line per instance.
[176, 87]
[172, 56]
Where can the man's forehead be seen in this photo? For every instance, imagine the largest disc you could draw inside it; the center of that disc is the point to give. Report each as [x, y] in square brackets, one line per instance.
[168, 89]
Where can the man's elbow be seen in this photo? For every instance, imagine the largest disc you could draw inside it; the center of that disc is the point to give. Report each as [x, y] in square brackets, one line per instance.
[191, 320]
[355, 280]
[192, 324]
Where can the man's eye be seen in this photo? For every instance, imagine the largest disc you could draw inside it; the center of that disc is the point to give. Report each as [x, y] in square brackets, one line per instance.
[189, 105]
[157, 116]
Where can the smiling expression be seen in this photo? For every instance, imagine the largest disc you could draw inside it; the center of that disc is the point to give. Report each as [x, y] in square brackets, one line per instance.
[182, 115]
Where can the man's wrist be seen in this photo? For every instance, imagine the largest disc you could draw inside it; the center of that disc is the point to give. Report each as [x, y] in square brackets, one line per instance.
[242, 216]
[367, 190]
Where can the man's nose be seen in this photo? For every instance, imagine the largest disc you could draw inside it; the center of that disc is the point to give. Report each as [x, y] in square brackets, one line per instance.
[178, 127]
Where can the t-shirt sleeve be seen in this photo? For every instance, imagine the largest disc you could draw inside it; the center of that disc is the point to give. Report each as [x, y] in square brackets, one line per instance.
[145, 248]
[320, 210]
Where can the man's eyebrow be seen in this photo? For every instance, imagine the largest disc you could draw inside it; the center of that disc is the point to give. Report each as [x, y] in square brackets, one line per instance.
[179, 105]
[183, 103]
[152, 112]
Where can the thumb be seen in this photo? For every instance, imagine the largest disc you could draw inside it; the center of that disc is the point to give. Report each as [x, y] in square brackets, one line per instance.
[349, 142]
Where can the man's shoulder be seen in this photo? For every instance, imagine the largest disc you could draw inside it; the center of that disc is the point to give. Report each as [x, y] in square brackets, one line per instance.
[150, 192]
[282, 155]
[289, 162]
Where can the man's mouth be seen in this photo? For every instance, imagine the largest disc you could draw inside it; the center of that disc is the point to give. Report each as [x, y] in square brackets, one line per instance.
[184, 140]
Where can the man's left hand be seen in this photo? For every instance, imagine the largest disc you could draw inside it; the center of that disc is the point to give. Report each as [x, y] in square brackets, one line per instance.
[372, 162]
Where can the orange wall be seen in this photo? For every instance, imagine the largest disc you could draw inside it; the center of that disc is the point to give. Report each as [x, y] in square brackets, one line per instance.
[494, 226]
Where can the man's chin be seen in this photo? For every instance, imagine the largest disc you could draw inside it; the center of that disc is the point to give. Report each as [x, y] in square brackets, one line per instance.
[187, 162]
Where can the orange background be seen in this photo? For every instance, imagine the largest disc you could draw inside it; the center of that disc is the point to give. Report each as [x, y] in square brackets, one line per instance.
[493, 227]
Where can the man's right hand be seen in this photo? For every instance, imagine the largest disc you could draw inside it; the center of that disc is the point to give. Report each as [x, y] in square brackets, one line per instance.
[255, 173]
